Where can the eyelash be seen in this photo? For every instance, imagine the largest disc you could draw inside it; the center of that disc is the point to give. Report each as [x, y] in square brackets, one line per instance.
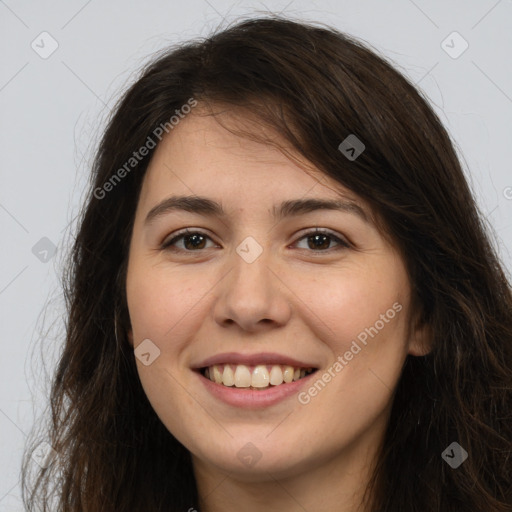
[181, 234]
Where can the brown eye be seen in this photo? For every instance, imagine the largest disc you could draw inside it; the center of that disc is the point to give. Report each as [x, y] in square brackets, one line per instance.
[191, 241]
[195, 241]
[320, 241]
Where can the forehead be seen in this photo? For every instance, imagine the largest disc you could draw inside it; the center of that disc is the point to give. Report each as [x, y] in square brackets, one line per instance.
[202, 155]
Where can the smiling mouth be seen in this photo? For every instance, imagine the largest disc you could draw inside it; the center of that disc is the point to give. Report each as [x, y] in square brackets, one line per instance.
[257, 377]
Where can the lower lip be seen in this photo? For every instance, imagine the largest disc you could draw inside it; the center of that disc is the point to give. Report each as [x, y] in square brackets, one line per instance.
[254, 399]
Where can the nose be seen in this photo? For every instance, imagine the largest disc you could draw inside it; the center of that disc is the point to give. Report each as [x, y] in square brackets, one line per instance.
[253, 296]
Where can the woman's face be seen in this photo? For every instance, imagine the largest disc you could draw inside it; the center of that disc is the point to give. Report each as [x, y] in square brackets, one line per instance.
[256, 292]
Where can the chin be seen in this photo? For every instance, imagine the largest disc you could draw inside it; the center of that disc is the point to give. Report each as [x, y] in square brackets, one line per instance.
[255, 460]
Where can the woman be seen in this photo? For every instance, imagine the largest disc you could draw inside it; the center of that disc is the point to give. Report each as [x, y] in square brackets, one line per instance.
[281, 295]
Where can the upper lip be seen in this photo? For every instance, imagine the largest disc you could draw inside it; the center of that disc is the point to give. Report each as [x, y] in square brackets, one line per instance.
[264, 358]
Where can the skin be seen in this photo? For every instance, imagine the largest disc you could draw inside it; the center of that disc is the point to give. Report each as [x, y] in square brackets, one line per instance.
[294, 299]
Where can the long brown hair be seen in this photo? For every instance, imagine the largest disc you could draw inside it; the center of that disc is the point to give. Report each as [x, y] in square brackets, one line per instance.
[315, 86]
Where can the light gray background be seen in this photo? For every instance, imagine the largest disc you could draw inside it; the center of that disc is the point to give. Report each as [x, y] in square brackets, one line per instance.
[53, 110]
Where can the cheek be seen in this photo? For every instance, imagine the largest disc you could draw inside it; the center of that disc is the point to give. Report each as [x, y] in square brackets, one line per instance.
[354, 304]
[162, 302]
[164, 307]
[363, 324]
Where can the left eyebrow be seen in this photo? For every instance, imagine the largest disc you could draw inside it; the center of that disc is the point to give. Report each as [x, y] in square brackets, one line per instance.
[205, 206]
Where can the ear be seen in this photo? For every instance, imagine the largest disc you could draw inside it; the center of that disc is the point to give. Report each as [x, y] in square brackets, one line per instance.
[420, 337]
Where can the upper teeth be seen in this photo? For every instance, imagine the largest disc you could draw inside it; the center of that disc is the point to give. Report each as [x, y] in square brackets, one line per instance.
[262, 376]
